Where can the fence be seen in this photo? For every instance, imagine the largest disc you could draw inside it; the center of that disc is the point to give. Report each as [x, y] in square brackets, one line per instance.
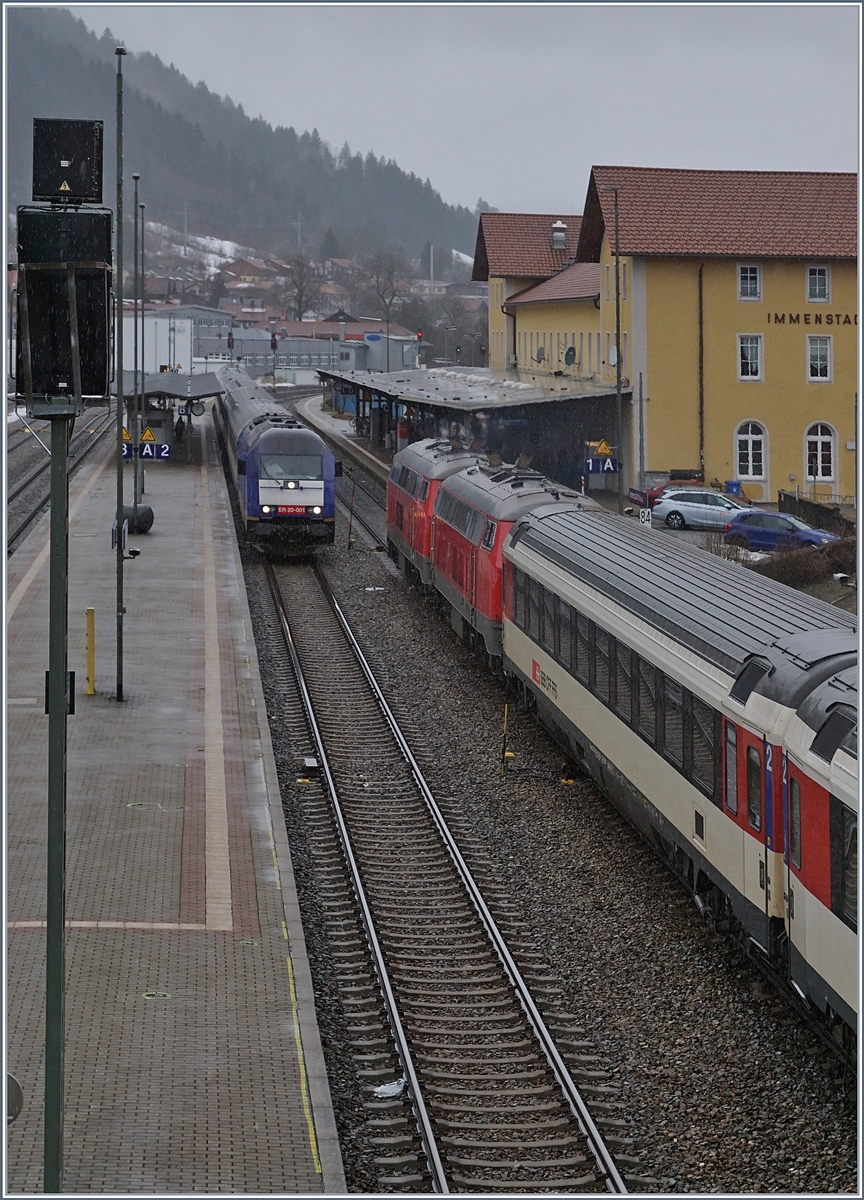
[817, 513]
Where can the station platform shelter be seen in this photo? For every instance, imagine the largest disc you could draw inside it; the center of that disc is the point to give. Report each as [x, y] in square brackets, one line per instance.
[193, 1060]
[551, 428]
[168, 404]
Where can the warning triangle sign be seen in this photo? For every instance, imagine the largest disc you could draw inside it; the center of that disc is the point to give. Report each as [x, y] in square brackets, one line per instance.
[64, 187]
[603, 450]
[148, 435]
[126, 437]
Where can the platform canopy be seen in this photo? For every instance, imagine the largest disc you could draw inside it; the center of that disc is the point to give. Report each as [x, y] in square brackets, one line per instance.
[173, 386]
[463, 389]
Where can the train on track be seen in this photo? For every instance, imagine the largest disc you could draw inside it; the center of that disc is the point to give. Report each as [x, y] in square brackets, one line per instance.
[715, 707]
[283, 472]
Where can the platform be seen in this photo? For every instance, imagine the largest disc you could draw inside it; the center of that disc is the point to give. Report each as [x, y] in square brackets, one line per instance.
[338, 429]
[193, 1059]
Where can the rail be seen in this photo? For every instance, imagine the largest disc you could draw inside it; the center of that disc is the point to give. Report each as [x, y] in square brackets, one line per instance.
[447, 990]
[78, 451]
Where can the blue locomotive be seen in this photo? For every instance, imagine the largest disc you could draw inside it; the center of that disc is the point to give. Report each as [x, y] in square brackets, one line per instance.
[283, 471]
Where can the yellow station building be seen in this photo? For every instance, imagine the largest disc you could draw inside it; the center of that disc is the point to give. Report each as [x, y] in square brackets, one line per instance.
[738, 320]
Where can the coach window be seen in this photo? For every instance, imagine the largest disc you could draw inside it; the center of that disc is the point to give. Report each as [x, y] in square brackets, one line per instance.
[648, 700]
[624, 681]
[731, 768]
[518, 597]
[702, 723]
[843, 823]
[535, 601]
[850, 867]
[584, 641]
[754, 787]
[601, 664]
[795, 822]
[673, 720]
[548, 632]
[565, 630]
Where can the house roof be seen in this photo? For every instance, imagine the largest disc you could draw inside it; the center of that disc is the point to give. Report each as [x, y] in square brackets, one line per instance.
[579, 281]
[753, 214]
[519, 245]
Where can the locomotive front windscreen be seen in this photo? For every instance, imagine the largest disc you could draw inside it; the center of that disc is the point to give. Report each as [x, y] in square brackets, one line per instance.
[291, 466]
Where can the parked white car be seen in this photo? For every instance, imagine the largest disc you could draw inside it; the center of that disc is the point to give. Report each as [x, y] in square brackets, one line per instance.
[694, 508]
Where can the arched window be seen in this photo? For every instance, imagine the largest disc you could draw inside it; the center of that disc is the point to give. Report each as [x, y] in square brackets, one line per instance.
[750, 447]
[820, 452]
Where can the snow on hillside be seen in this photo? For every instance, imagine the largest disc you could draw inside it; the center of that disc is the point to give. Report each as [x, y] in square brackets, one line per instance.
[206, 253]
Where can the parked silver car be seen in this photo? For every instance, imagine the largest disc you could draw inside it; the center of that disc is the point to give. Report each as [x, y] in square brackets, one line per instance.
[693, 508]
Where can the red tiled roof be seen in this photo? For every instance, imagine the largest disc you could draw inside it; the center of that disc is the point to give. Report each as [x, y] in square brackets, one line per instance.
[579, 281]
[754, 214]
[519, 245]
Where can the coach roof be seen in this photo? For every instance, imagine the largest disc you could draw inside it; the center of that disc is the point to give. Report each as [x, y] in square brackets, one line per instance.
[722, 611]
[506, 492]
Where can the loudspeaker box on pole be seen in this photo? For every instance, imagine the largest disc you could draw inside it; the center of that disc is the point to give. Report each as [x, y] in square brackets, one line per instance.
[64, 299]
[67, 161]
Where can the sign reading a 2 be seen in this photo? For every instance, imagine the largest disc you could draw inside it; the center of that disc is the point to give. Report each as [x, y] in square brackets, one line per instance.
[147, 450]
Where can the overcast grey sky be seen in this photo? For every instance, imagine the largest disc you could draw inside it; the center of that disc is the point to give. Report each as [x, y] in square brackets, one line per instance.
[515, 102]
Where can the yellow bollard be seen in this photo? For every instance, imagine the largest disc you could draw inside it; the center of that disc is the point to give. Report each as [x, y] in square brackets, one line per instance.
[91, 652]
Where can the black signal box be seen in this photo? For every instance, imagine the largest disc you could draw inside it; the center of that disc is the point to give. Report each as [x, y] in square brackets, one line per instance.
[67, 161]
[50, 242]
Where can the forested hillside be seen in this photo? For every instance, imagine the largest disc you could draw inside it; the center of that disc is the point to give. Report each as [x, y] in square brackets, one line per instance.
[239, 177]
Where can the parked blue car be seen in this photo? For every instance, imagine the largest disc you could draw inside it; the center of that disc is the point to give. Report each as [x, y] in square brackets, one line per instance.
[759, 530]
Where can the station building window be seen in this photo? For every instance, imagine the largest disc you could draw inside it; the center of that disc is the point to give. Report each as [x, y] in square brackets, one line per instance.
[749, 356]
[818, 284]
[820, 452]
[750, 450]
[819, 359]
[749, 282]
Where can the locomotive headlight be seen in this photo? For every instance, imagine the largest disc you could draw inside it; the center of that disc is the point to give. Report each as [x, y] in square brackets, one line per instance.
[317, 511]
[265, 507]
[291, 484]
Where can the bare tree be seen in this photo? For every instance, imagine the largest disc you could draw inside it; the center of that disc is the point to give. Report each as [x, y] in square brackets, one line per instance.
[387, 272]
[302, 287]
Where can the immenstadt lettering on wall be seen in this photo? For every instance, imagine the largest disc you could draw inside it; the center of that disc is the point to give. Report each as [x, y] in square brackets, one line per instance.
[812, 318]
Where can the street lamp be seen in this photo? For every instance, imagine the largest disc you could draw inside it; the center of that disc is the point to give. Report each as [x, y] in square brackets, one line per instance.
[118, 374]
[618, 405]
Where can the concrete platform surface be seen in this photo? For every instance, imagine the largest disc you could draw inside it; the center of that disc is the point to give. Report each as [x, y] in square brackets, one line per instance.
[193, 1060]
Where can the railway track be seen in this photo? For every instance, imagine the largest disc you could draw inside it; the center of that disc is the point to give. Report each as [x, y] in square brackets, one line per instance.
[476, 1079]
[364, 506]
[81, 445]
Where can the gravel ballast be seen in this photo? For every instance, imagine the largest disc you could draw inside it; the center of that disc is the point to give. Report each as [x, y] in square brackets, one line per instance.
[725, 1089]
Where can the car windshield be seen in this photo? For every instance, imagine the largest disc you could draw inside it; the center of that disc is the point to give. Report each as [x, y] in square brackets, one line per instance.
[797, 523]
[290, 466]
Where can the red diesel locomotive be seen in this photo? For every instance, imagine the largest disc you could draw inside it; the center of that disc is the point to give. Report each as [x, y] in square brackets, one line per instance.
[448, 513]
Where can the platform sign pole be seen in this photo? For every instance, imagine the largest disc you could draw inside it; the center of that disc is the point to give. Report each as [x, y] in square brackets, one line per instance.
[58, 707]
[118, 372]
[134, 406]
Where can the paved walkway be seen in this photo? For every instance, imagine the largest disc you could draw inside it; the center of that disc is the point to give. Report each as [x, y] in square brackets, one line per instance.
[193, 1060]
